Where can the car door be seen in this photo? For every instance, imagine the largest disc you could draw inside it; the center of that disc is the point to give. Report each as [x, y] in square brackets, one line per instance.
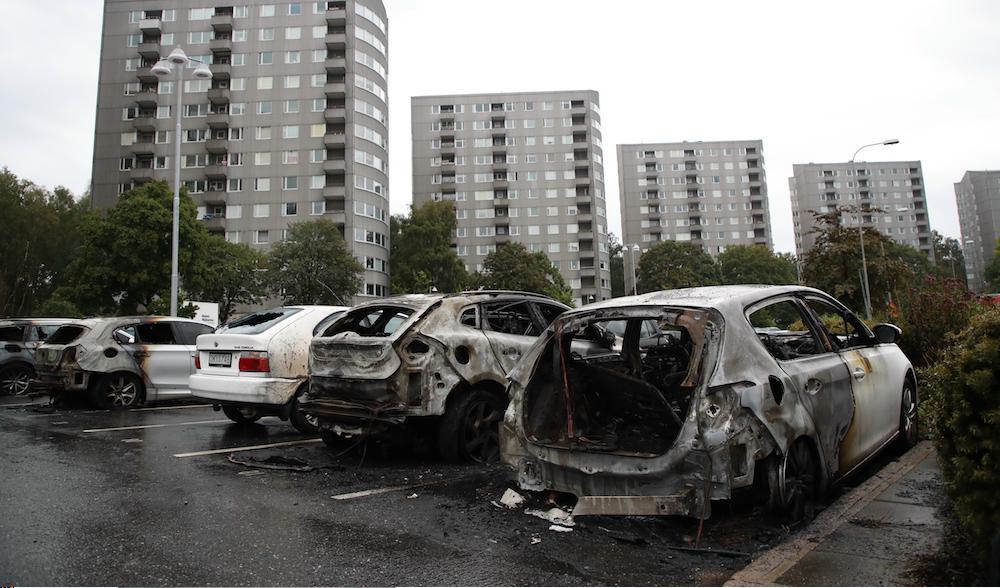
[511, 327]
[811, 371]
[186, 334]
[876, 396]
[165, 361]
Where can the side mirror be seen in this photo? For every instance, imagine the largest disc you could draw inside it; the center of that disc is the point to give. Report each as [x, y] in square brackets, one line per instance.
[886, 333]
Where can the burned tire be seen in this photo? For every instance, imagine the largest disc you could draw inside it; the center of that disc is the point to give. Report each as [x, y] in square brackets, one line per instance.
[243, 415]
[117, 391]
[334, 441]
[15, 380]
[909, 432]
[795, 483]
[470, 429]
[307, 425]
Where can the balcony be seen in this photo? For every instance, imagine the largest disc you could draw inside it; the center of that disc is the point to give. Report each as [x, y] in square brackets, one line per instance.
[222, 23]
[150, 50]
[145, 74]
[144, 124]
[217, 145]
[216, 172]
[218, 95]
[214, 197]
[335, 192]
[150, 26]
[217, 45]
[221, 71]
[337, 217]
[141, 175]
[336, 41]
[334, 166]
[217, 120]
[143, 148]
[336, 17]
[335, 115]
[334, 140]
[146, 99]
[214, 224]
[336, 65]
[336, 90]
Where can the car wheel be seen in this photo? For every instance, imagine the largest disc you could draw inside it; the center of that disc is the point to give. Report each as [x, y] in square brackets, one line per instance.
[117, 391]
[470, 429]
[16, 380]
[797, 482]
[305, 423]
[333, 440]
[909, 431]
[243, 415]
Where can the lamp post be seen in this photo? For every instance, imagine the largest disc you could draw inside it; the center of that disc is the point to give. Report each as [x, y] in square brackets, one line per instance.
[865, 292]
[635, 280]
[162, 69]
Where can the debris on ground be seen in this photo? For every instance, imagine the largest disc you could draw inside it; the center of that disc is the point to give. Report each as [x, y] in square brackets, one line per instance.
[132, 440]
[625, 537]
[536, 540]
[560, 529]
[414, 495]
[511, 499]
[274, 462]
[250, 473]
[553, 515]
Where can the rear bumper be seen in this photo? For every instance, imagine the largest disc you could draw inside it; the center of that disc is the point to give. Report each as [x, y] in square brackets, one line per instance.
[353, 401]
[61, 379]
[236, 390]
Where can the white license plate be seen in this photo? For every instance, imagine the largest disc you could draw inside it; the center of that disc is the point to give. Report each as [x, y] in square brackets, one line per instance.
[220, 359]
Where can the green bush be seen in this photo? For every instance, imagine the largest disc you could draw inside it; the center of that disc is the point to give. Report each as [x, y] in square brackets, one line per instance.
[929, 310]
[961, 398]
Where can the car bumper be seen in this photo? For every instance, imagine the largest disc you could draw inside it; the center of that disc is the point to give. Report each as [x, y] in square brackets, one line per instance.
[236, 390]
[61, 380]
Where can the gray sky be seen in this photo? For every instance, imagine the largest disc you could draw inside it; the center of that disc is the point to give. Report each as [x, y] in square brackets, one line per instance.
[812, 80]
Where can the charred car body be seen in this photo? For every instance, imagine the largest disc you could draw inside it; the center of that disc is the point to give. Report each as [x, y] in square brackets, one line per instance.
[19, 338]
[779, 389]
[121, 362]
[446, 356]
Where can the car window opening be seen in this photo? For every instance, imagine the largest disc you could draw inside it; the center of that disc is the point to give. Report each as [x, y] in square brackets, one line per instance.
[258, 322]
[628, 393]
[379, 321]
[66, 335]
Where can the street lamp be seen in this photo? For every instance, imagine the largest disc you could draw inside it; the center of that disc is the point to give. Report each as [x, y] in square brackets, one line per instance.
[163, 68]
[635, 281]
[865, 291]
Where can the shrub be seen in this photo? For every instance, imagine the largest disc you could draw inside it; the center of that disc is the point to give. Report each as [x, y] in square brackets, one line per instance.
[927, 312]
[961, 397]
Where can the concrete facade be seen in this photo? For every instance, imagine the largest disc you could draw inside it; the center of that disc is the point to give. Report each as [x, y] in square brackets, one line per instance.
[710, 193]
[978, 199]
[519, 167]
[291, 128]
[894, 190]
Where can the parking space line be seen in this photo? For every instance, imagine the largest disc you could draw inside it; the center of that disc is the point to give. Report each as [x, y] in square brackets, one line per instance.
[23, 405]
[247, 448]
[155, 426]
[171, 407]
[376, 491]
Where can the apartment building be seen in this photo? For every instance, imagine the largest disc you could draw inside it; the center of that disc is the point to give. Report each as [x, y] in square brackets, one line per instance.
[710, 193]
[291, 127]
[978, 198]
[888, 195]
[519, 167]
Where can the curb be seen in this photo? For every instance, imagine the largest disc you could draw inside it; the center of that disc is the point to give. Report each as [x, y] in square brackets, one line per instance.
[773, 563]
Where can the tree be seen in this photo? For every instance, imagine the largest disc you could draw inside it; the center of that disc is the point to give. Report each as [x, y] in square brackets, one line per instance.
[124, 259]
[948, 257]
[992, 271]
[513, 267]
[615, 250]
[753, 264]
[231, 274]
[675, 264]
[314, 266]
[422, 252]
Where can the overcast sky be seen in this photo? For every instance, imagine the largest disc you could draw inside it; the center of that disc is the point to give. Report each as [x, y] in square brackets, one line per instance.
[813, 80]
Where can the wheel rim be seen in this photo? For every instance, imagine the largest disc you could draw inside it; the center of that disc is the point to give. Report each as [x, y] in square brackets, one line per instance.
[17, 383]
[798, 481]
[481, 434]
[122, 392]
[248, 412]
[909, 412]
[312, 421]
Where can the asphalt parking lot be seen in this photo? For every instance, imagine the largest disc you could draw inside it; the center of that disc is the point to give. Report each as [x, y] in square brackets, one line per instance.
[150, 497]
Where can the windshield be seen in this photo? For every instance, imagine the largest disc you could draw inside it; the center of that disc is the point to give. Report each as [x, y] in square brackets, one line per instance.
[66, 335]
[258, 322]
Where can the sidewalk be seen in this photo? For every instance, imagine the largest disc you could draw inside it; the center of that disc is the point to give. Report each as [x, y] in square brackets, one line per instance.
[867, 537]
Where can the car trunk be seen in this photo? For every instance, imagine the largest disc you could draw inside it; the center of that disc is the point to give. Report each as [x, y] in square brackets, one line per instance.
[591, 391]
[219, 355]
[49, 356]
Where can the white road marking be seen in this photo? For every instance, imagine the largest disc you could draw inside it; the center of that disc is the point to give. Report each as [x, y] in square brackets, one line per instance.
[24, 404]
[375, 491]
[171, 407]
[155, 426]
[247, 448]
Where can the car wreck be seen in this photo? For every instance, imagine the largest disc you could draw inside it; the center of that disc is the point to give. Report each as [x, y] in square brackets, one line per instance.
[779, 390]
[445, 357]
[19, 338]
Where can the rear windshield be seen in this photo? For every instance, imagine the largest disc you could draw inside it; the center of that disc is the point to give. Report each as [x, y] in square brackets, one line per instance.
[258, 322]
[66, 335]
[373, 321]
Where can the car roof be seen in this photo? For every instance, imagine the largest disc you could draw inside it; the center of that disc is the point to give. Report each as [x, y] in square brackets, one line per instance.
[36, 321]
[721, 298]
[425, 300]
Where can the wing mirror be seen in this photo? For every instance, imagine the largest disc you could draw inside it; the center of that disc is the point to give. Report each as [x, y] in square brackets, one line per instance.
[886, 333]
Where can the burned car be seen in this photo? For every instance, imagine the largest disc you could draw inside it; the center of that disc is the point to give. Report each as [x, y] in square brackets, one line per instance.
[120, 362]
[18, 340]
[779, 390]
[415, 356]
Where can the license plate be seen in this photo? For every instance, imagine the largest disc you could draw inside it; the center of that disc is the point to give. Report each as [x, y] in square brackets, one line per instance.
[220, 359]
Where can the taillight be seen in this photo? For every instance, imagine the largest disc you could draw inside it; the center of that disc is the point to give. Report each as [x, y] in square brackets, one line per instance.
[69, 354]
[254, 361]
[197, 361]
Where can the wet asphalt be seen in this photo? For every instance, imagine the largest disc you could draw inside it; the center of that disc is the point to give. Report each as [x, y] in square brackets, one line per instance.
[84, 505]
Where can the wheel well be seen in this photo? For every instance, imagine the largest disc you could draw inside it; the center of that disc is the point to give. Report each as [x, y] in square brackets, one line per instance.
[466, 388]
[912, 379]
[17, 363]
[142, 383]
[817, 455]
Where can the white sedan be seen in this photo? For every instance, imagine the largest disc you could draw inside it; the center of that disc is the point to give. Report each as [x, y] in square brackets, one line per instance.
[255, 366]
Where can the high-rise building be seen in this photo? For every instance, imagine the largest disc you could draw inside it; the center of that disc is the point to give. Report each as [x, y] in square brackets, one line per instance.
[522, 167]
[292, 126]
[978, 197]
[888, 195]
[710, 193]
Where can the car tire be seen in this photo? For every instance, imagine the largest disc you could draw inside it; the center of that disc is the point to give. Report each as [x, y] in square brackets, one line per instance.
[15, 380]
[307, 425]
[243, 415]
[795, 483]
[117, 391]
[470, 429]
[909, 430]
[333, 440]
